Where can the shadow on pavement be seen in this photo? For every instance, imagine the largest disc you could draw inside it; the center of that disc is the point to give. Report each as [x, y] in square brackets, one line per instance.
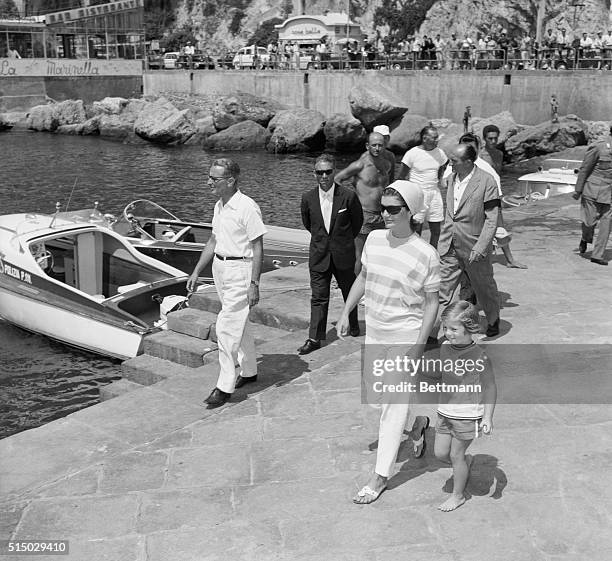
[486, 477]
[273, 370]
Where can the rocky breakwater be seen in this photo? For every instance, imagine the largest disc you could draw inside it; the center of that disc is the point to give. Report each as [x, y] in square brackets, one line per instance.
[242, 121]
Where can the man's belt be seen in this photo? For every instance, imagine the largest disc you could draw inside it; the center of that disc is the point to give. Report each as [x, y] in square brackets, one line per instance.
[222, 258]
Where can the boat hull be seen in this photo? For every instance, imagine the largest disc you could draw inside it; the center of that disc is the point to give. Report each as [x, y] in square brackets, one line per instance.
[66, 326]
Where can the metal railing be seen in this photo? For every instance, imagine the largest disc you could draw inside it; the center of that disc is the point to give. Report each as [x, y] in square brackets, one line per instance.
[565, 58]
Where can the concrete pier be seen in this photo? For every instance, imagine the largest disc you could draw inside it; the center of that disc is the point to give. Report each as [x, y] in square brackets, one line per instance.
[151, 475]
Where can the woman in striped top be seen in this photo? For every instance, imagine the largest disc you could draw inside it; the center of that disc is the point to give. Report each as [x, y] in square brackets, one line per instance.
[400, 278]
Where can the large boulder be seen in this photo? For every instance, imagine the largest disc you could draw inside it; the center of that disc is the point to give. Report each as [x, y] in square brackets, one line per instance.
[5, 124]
[504, 121]
[375, 105]
[449, 133]
[69, 129]
[344, 133]
[115, 126]
[296, 130]
[51, 116]
[597, 130]
[405, 132]
[90, 127]
[70, 112]
[42, 118]
[547, 137]
[205, 127]
[108, 106]
[161, 122]
[247, 135]
[243, 107]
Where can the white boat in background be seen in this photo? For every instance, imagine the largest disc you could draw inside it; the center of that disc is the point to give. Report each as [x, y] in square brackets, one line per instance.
[554, 177]
[69, 277]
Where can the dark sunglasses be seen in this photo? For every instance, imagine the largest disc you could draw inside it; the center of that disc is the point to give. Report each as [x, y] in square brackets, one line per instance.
[216, 180]
[324, 171]
[392, 209]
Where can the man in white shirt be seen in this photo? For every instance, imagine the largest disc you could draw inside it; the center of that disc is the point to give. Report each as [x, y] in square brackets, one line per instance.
[236, 249]
[586, 46]
[440, 45]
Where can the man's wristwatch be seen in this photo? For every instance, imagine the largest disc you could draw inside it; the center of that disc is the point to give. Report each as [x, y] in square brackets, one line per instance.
[255, 283]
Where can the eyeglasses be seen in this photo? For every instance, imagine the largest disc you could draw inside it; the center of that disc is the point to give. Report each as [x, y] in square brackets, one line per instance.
[217, 179]
[324, 171]
[392, 209]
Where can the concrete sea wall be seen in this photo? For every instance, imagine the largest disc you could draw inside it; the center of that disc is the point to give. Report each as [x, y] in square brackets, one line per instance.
[526, 94]
[25, 83]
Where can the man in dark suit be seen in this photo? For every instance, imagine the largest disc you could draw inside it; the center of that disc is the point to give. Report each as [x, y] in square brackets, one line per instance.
[333, 216]
[470, 222]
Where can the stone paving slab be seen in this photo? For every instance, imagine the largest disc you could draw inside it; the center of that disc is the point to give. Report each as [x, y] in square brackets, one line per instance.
[271, 476]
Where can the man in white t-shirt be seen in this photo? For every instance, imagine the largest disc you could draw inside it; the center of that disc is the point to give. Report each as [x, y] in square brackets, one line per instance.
[424, 165]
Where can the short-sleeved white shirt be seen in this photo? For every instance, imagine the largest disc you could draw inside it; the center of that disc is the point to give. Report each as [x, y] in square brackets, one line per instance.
[235, 225]
[398, 273]
[424, 165]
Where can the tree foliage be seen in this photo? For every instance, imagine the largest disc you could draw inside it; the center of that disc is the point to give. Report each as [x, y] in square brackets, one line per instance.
[159, 16]
[265, 33]
[403, 17]
[8, 9]
[178, 38]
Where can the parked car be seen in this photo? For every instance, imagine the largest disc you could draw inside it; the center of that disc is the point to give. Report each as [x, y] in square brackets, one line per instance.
[226, 61]
[251, 57]
[155, 61]
[198, 61]
[170, 60]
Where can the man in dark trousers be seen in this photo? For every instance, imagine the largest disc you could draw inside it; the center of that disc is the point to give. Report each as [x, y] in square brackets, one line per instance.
[333, 216]
[594, 185]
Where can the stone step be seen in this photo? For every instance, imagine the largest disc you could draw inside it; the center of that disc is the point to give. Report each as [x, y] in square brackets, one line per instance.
[192, 322]
[286, 311]
[179, 348]
[117, 388]
[148, 370]
[201, 324]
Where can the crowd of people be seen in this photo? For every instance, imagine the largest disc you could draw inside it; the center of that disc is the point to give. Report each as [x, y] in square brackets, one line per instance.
[368, 236]
[498, 49]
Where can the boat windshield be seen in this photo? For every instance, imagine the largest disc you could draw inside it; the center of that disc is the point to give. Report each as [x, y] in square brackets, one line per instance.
[143, 208]
[557, 165]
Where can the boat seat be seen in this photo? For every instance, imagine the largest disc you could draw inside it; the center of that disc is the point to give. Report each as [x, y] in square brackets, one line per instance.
[178, 237]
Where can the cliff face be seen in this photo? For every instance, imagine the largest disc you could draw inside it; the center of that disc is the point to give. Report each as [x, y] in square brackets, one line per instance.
[470, 16]
[226, 24]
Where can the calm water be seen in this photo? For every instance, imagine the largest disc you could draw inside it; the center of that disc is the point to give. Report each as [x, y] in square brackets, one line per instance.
[41, 380]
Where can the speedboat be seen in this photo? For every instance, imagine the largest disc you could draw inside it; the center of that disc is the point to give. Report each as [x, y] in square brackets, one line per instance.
[157, 232]
[554, 177]
[71, 278]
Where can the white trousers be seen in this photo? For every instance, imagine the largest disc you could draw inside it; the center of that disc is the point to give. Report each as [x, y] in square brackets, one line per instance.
[393, 418]
[234, 336]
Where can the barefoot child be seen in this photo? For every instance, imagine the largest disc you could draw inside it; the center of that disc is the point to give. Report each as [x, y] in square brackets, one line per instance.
[463, 414]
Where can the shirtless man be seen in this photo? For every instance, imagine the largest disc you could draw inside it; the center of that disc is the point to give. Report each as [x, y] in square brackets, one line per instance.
[384, 130]
[370, 175]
